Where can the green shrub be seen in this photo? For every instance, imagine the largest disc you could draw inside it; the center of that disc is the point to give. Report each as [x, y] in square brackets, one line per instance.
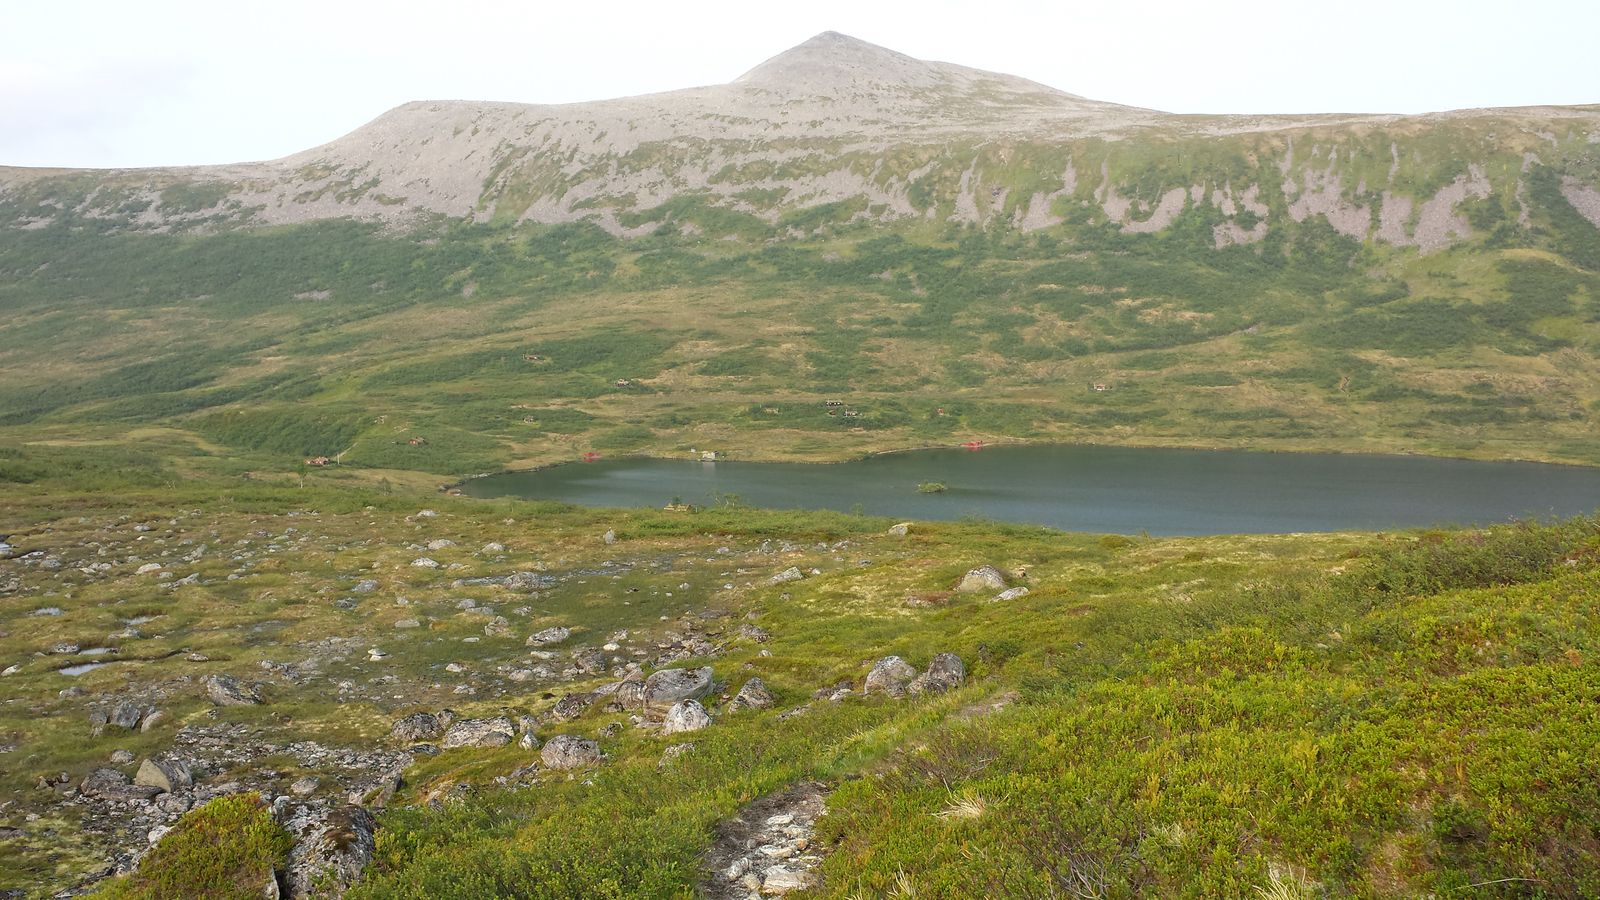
[229, 848]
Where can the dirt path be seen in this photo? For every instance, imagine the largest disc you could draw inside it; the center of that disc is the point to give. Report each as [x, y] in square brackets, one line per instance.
[767, 849]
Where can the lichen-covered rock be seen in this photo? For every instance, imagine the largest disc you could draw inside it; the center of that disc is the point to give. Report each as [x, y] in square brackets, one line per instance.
[495, 732]
[685, 715]
[890, 676]
[900, 530]
[330, 851]
[554, 635]
[422, 726]
[166, 772]
[226, 690]
[983, 578]
[109, 784]
[792, 573]
[672, 685]
[565, 751]
[571, 707]
[754, 695]
[1011, 593]
[945, 672]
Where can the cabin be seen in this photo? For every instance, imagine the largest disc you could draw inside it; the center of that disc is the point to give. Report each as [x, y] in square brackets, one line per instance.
[532, 357]
[832, 403]
[852, 414]
[623, 382]
[1101, 386]
[709, 456]
[318, 461]
[417, 442]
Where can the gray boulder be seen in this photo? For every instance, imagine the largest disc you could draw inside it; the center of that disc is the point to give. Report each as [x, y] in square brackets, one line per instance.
[496, 732]
[945, 672]
[792, 573]
[109, 784]
[565, 751]
[549, 636]
[571, 707]
[330, 851]
[125, 715]
[1011, 594]
[900, 530]
[890, 676]
[630, 694]
[685, 715]
[422, 726]
[166, 772]
[754, 695]
[672, 685]
[226, 690]
[983, 578]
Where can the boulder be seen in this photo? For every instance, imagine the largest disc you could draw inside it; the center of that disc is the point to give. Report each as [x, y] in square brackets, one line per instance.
[945, 672]
[781, 880]
[154, 719]
[495, 732]
[672, 685]
[571, 707]
[983, 578]
[422, 726]
[900, 530]
[364, 586]
[630, 694]
[754, 695]
[109, 784]
[889, 676]
[792, 573]
[610, 537]
[226, 690]
[423, 562]
[565, 751]
[165, 772]
[329, 851]
[1011, 594]
[549, 636]
[126, 714]
[685, 715]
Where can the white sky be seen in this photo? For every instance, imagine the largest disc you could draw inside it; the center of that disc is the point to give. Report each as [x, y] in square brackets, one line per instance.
[167, 82]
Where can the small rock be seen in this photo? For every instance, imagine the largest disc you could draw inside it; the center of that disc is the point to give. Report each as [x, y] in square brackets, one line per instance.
[304, 787]
[122, 757]
[126, 714]
[440, 544]
[780, 880]
[610, 537]
[154, 719]
[1011, 593]
[900, 530]
[364, 586]
[426, 514]
[422, 562]
[792, 573]
[225, 690]
[493, 547]
[147, 568]
[754, 695]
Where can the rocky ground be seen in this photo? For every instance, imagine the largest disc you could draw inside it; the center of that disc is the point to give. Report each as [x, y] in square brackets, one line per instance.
[156, 663]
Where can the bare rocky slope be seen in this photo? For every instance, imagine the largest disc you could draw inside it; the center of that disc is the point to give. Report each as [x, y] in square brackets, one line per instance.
[861, 132]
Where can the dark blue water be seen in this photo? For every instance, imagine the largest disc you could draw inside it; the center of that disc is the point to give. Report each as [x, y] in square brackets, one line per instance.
[1097, 489]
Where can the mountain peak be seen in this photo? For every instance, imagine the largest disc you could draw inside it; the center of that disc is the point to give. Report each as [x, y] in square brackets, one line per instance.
[832, 59]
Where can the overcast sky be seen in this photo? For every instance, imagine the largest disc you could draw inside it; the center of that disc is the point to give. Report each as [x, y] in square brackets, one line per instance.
[166, 82]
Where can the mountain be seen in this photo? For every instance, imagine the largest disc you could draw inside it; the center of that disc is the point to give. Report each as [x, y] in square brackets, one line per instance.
[960, 254]
[887, 137]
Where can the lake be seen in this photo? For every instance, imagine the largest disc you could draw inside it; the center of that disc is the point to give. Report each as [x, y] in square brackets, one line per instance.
[1119, 490]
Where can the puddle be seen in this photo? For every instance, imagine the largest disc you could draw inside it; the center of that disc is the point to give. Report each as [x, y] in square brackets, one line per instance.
[80, 668]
